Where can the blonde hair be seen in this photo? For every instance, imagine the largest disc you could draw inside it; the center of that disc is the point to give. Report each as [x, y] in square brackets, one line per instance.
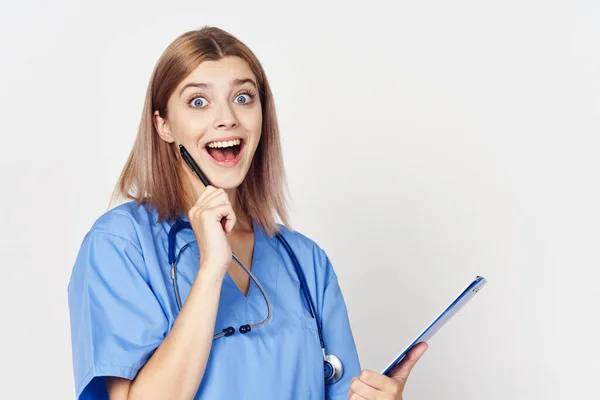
[152, 174]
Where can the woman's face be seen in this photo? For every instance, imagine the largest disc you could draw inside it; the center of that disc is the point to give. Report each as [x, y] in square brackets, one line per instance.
[216, 114]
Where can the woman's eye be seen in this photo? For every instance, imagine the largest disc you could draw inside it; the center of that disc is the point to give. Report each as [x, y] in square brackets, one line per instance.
[199, 102]
[243, 98]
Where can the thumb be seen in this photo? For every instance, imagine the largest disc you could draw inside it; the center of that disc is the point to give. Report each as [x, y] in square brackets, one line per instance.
[402, 370]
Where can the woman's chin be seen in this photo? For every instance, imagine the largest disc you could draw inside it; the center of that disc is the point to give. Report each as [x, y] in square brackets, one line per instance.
[228, 180]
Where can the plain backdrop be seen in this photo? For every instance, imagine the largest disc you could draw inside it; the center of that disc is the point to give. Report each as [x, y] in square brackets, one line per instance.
[425, 142]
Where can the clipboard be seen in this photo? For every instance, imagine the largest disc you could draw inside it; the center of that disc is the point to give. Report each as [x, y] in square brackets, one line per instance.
[454, 307]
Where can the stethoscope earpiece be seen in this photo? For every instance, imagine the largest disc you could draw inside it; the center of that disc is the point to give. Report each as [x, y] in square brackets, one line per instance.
[245, 328]
[228, 331]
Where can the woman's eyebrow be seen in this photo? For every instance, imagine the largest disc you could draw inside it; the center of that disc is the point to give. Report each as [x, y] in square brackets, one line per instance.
[204, 85]
[239, 82]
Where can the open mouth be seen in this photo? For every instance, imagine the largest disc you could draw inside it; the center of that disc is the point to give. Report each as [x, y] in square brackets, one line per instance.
[226, 150]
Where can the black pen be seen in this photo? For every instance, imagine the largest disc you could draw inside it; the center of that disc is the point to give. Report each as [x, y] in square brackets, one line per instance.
[192, 164]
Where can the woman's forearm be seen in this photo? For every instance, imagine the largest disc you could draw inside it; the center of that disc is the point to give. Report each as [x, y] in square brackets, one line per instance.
[176, 369]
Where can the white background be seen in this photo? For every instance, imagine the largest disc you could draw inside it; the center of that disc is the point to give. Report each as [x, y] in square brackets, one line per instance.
[425, 143]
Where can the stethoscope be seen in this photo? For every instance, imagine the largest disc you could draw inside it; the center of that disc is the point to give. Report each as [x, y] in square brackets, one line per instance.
[333, 368]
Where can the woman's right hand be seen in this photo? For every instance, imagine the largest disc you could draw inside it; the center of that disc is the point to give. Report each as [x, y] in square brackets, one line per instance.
[212, 207]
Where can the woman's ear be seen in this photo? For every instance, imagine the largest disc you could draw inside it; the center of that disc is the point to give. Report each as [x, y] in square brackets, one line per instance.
[162, 127]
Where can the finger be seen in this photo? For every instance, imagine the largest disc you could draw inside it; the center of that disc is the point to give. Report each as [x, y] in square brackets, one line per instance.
[230, 223]
[207, 193]
[378, 381]
[224, 211]
[217, 198]
[207, 190]
[402, 371]
[355, 396]
[212, 200]
[362, 389]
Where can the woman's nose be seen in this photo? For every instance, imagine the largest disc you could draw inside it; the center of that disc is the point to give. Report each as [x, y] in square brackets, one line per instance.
[225, 118]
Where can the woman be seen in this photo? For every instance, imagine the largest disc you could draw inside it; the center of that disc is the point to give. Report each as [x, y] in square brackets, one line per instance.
[137, 333]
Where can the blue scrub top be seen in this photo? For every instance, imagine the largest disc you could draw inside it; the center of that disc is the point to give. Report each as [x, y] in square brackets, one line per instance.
[122, 306]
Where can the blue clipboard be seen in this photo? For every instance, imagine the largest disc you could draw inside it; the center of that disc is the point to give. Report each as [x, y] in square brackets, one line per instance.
[454, 307]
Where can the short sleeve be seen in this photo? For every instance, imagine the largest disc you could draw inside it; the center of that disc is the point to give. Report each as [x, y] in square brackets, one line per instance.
[337, 335]
[116, 320]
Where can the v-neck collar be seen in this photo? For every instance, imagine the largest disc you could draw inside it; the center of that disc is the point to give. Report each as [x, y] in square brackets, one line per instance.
[256, 260]
[266, 264]
[259, 253]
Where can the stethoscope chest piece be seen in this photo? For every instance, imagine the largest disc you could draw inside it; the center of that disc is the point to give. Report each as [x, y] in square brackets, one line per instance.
[333, 368]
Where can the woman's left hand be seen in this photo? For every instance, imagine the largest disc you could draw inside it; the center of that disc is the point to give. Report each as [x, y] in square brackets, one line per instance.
[373, 386]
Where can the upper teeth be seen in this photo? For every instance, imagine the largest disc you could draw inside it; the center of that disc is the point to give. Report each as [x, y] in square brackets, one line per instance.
[229, 143]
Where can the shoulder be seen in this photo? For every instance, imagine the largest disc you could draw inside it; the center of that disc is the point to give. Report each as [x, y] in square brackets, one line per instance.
[300, 241]
[111, 249]
[124, 222]
[308, 251]
[297, 237]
